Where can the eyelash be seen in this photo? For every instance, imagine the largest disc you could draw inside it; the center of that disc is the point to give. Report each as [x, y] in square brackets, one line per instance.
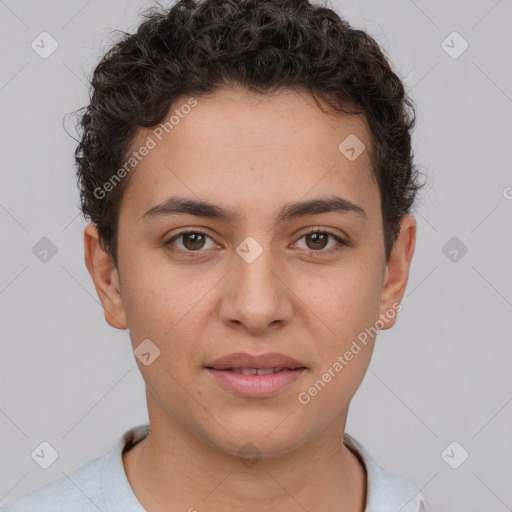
[341, 243]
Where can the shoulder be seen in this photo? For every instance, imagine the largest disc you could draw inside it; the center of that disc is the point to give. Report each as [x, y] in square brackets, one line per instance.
[387, 492]
[101, 484]
[80, 491]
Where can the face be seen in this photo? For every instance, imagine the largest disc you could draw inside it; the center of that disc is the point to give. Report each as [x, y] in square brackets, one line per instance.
[255, 274]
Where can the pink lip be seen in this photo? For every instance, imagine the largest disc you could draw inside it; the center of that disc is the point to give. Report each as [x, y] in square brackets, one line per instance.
[255, 386]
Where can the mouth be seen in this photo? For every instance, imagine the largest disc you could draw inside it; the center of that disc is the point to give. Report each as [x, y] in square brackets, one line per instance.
[256, 371]
[255, 376]
[270, 362]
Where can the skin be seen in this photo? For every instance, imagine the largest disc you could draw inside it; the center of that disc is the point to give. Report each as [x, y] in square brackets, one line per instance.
[253, 154]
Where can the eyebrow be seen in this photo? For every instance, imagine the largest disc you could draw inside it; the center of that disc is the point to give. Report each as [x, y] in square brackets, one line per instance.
[179, 205]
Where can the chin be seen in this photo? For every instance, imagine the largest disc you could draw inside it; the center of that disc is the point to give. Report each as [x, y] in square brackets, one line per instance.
[253, 441]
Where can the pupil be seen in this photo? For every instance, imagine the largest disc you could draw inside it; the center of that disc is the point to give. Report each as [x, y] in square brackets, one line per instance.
[194, 242]
[321, 236]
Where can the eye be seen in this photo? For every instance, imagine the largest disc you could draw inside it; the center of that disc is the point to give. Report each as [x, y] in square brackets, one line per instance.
[317, 240]
[192, 241]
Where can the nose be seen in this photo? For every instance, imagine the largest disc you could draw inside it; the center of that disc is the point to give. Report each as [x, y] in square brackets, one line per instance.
[256, 296]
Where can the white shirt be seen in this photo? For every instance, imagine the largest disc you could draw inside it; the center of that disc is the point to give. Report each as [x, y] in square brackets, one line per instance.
[102, 485]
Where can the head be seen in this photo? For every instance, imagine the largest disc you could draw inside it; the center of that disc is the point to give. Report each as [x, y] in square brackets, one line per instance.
[295, 130]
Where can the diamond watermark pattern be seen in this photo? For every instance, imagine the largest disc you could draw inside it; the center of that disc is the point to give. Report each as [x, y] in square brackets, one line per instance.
[44, 45]
[250, 455]
[454, 249]
[454, 45]
[454, 455]
[249, 249]
[352, 147]
[146, 352]
[44, 455]
[44, 250]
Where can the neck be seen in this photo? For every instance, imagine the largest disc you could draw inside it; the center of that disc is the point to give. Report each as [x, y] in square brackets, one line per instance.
[171, 469]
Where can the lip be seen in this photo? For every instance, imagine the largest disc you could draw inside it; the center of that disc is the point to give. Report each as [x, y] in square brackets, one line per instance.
[255, 386]
[244, 360]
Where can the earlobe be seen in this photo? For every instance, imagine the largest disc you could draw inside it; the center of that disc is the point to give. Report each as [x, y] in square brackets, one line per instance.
[101, 266]
[397, 271]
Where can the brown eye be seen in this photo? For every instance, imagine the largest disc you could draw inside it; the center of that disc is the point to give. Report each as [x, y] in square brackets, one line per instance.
[318, 240]
[191, 241]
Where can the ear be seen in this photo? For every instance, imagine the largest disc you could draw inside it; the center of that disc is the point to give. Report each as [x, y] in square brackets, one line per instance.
[105, 276]
[397, 271]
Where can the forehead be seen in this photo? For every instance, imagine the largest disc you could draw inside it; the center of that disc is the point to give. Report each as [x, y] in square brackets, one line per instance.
[253, 153]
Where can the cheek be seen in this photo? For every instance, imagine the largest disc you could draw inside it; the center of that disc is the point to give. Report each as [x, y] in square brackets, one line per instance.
[349, 307]
[347, 302]
[154, 299]
[171, 311]
[344, 352]
[165, 315]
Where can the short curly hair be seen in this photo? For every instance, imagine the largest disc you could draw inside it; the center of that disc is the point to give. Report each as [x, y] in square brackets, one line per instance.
[196, 47]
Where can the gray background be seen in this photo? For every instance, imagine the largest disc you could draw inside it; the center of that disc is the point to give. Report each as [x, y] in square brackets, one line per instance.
[442, 374]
